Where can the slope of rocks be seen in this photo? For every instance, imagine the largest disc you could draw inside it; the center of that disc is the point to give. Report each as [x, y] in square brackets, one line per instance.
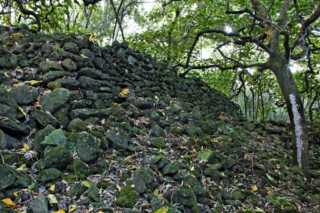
[85, 128]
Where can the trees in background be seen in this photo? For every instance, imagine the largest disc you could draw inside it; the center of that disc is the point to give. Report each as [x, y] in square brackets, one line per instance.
[262, 35]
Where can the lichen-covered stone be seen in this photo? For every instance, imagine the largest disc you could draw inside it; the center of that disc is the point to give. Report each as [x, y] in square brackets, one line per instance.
[55, 138]
[76, 125]
[57, 157]
[39, 205]
[157, 131]
[171, 168]
[8, 176]
[48, 175]
[40, 136]
[55, 100]
[184, 196]
[87, 147]
[3, 141]
[118, 139]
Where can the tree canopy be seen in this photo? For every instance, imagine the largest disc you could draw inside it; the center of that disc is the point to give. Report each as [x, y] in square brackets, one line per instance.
[262, 54]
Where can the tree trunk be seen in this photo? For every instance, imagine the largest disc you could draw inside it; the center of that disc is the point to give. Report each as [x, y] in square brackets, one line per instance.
[294, 104]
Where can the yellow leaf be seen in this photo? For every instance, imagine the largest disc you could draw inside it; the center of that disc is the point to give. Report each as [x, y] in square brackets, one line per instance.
[85, 183]
[118, 187]
[278, 166]
[16, 34]
[9, 203]
[52, 198]
[192, 150]
[160, 175]
[83, 56]
[21, 110]
[60, 211]
[53, 187]
[100, 211]
[156, 192]
[26, 146]
[254, 188]
[73, 208]
[15, 194]
[246, 156]
[133, 166]
[125, 91]
[15, 85]
[47, 91]
[114, 103]
[192, 168]
[162, 210]
[211, 196]
[90, 210]
[32, 82]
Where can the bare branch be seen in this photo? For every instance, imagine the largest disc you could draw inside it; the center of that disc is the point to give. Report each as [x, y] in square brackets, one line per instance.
[115, 12]
[304, 28]
[242, 66]
[271, 6]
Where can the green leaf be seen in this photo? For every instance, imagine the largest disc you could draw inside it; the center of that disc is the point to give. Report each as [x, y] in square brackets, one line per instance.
[32, 185]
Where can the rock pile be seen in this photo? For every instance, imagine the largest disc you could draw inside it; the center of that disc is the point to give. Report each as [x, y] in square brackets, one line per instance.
[111, 128]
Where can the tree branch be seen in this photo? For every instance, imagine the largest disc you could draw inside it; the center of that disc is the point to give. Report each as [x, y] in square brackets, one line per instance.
[115, 12]
[28, 12]
[304, 28]
[165, 4]
[242, 66]
[270, 7]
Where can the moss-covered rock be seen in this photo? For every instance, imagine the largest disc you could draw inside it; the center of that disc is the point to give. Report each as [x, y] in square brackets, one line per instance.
[76, 125]
[127, 197]
[57, 157]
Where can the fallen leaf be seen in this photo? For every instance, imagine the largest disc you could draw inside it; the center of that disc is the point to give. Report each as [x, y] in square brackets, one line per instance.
[162, 210]
[60, 211]
[278, 166]
[156, 192]
[83, 56]
[52, 198]
[118, 187]
[26, 146]
[16, 85]
[254, 188]
[9, 203]
[21, 110]
[15, 193]
[73, 208]
[125, 91]
[114, 103]
[90, 209]
[107, 180]
[17, 34]
[133, 166]
[246, 156]
[32, 82]
[85, 183]
[52, 188]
